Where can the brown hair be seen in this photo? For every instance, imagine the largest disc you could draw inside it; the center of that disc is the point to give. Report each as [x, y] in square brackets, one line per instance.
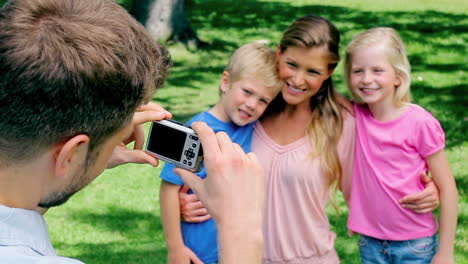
[71, 67]
[326, 125]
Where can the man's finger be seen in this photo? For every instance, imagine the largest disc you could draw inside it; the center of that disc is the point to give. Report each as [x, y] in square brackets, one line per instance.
[147, 116]
[208, 140]
[139, 137]
[190, 179]
[225, 143]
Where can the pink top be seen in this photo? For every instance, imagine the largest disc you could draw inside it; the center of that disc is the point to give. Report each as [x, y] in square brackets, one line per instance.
[389, 159]
[296, 228]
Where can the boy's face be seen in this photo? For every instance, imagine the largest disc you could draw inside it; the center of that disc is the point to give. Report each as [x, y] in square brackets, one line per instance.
[244, 101]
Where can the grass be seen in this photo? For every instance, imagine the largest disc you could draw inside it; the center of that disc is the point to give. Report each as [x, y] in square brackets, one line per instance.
[116, 219]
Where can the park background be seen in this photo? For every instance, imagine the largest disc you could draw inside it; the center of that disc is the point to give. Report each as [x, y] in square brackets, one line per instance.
[116, 218]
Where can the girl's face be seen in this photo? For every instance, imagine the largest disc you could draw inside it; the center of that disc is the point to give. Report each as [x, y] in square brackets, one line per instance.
[372, 77]
[303, 71]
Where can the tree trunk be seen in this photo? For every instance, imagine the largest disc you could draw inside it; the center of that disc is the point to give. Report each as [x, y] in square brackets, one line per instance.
[167, 21]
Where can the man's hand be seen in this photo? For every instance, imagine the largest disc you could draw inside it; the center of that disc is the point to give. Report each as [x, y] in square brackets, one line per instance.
[192, 209]
[122, 154]
[424, 201]
[233, 193]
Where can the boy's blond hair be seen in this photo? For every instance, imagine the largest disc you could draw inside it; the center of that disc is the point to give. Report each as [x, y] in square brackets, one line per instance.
[394, 50]
[254, 61]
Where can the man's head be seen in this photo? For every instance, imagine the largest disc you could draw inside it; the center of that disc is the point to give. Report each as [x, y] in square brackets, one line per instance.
[70, 68]
[249, 83]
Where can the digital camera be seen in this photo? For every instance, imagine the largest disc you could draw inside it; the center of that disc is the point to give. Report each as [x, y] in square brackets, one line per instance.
[175, 143]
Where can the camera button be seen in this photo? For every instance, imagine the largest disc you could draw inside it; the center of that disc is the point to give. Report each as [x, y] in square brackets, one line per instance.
[194, 145]
[190, 163]
[185, 161]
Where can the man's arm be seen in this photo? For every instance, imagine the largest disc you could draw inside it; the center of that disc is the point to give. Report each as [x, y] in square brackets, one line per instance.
[238, 217]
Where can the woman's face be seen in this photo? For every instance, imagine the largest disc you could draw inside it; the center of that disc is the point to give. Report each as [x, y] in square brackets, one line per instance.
[303, 70]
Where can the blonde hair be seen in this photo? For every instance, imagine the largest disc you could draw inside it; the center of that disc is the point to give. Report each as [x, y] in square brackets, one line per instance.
[326, 124]
[254, 61]
[395, 51]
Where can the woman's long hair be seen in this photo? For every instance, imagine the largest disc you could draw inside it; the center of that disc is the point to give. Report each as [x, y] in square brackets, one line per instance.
[326, 123]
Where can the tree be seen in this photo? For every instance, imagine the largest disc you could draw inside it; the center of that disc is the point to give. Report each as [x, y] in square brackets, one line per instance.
[167, 21]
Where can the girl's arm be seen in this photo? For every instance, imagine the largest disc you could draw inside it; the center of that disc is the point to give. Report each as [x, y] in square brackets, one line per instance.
[443, 178]
[170, 215]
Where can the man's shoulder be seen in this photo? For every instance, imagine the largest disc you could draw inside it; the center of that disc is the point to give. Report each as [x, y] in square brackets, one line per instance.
[57, 260]
[19, 258]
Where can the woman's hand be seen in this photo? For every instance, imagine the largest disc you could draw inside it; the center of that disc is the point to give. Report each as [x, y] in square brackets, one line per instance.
[424, 201]
[192, 210]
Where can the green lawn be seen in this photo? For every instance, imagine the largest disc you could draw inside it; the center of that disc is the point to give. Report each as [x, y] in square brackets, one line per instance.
[116, 219]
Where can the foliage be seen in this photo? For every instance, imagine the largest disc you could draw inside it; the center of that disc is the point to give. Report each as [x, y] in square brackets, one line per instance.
[127, 4]
[116, 219]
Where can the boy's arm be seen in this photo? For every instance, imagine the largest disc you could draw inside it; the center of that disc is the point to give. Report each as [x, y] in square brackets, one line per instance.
[170, 214]
[443, 178]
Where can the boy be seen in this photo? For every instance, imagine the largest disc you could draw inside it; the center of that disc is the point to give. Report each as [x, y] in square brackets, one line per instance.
[248, 84]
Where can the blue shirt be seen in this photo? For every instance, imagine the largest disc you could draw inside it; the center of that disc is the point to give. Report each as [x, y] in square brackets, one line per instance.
[201, 238]
[24, 238]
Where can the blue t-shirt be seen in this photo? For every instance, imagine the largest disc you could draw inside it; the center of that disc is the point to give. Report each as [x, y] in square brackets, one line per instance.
[201, 238]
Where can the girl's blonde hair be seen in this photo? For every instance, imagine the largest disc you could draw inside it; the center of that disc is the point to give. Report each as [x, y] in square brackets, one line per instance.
[395, 51]
[326, 124]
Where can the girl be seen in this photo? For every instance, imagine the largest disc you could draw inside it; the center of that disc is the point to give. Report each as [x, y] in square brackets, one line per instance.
[396, 141]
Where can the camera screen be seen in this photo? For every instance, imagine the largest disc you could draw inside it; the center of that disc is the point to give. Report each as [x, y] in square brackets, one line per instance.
[166, 141]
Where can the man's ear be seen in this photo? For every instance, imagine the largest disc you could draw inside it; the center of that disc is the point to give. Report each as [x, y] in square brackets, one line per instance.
[70, 151]
[225, 83]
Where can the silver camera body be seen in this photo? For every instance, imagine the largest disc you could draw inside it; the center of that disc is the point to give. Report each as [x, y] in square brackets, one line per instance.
[175, 143]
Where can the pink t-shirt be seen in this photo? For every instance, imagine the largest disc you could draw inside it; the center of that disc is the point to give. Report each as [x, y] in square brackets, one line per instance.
[389, 159]
[296, 228]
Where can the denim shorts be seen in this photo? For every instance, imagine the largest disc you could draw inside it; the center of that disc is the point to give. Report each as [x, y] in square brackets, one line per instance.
[416, 251]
